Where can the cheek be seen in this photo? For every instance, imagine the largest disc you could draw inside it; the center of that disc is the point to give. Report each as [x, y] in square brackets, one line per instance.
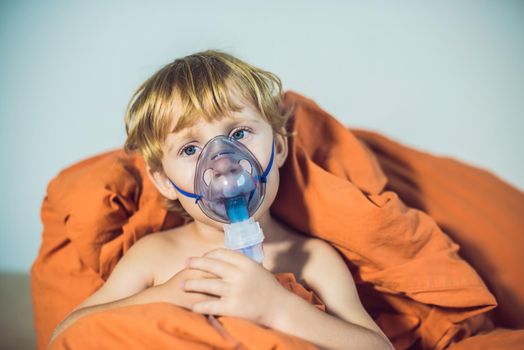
[261, 149]
[182, 174]
[191, 207]
[197, 214]
[271, 188]
[271, 193]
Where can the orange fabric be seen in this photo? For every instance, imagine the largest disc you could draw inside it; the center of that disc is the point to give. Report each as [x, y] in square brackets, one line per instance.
[166, 326]
[478, 210]
[498, 339]
[334, 186]
[289, 281]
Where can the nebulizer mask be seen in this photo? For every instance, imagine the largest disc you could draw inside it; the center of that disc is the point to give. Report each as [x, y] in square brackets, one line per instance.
[230, 186]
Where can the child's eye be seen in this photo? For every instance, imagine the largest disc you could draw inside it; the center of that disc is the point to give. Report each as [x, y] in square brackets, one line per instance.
[239, 133]
[188, 150]
[236, 134]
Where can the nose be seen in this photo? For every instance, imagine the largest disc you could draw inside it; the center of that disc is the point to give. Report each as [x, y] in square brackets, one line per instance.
[224, 166]
[222, 169]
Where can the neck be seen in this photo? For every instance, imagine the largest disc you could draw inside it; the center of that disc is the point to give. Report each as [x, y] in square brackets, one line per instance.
[215, 236]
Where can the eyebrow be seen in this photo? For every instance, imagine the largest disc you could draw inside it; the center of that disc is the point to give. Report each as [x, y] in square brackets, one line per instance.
[183, 135]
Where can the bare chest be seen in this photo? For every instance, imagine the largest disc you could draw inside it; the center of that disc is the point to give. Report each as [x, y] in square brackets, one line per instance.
[289, 256]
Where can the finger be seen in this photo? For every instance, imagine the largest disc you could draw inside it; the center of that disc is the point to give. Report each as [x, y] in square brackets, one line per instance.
[231, 256]
[210, 307]
[215, 266]
[210, 286]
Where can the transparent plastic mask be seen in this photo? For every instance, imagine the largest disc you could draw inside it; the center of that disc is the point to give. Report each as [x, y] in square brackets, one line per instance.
[226, 170]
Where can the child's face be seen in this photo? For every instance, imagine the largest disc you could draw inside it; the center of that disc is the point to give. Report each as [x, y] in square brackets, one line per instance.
[181, 151]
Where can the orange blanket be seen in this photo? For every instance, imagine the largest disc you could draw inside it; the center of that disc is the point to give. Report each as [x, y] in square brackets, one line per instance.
[167, 326]
[409, 274]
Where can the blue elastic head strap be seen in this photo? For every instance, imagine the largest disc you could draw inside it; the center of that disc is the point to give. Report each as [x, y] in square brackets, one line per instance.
[187, 194]
[262, 178]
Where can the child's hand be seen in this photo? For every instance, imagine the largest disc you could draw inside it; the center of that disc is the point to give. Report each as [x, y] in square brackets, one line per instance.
[244, 288]
[173, 293]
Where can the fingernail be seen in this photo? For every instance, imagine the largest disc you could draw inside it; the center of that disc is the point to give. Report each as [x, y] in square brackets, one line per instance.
[181, 284]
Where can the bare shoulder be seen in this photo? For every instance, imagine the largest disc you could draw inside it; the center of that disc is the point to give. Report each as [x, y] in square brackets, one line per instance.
[158, 249]
[148, 254]
[323, 258]
[148, 248]
[327, 274]
[143, 255]
[325, 269]
[133, 272]
[165, 252]
[154, 241]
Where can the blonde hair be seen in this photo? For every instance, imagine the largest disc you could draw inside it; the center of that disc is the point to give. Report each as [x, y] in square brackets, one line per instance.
[198, 86]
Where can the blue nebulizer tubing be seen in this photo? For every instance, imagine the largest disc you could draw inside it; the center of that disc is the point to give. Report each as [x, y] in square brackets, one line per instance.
[243, 234]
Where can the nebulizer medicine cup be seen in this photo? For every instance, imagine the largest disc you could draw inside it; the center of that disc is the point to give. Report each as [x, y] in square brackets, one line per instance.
[243, 235]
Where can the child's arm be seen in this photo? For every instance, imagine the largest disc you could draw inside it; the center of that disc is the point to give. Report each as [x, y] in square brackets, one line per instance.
[147, 295]
[301, 319]
[346, 324]
[131, 283]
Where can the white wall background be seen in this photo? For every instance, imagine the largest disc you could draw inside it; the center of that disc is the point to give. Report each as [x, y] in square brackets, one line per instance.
[444, 76]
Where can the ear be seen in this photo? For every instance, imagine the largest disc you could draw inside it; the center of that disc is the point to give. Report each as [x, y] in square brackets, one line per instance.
[162, 183]
[281, 148]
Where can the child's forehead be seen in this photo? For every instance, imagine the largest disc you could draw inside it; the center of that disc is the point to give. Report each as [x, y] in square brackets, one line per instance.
[188, 118]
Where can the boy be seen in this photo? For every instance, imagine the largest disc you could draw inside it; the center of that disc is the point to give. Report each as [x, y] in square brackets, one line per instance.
[170, 120]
